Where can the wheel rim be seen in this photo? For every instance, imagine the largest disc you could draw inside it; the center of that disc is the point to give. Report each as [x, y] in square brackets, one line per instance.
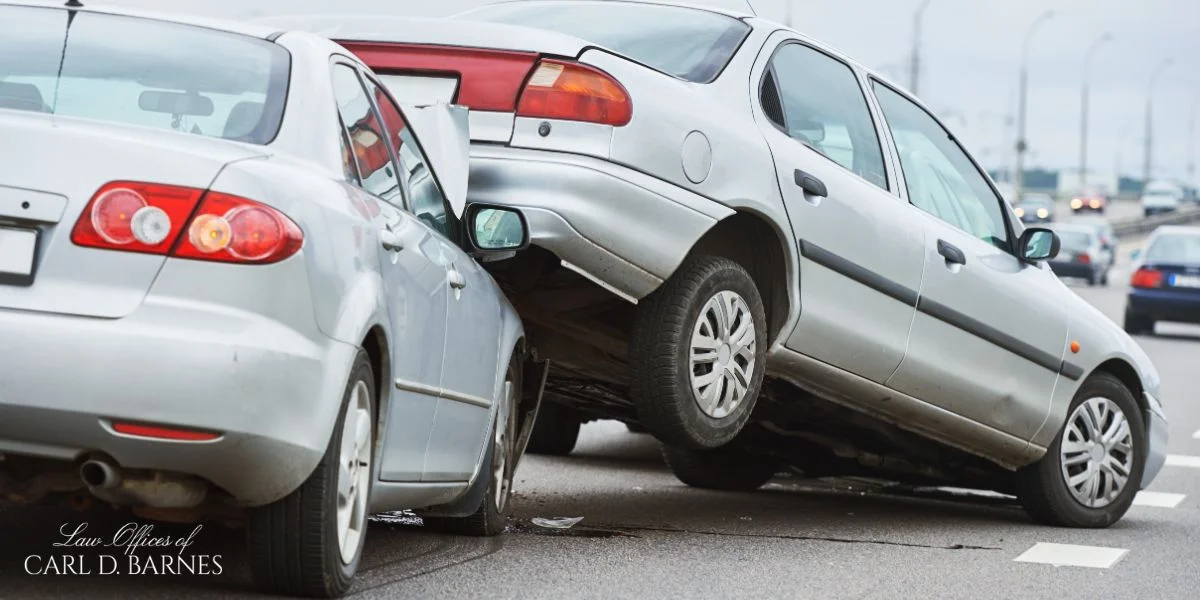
[354, 472]
[1097, 452]
[500, 464]
[723, 354]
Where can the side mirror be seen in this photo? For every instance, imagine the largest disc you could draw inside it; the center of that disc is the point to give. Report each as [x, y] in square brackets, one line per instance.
[1136, 254]
[496, 232]
[1038, 243]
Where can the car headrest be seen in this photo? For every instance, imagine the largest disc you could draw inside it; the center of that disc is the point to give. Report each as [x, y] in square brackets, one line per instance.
[22, 96]
[243, 121]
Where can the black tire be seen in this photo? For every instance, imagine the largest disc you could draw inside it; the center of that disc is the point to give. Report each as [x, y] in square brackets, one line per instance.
[555, 431]
[1042, 487]
[293, 545]
[635, 428]
[660, 354]
[491, 518]
[727, 468]
[1104, 278]
[1136, 324]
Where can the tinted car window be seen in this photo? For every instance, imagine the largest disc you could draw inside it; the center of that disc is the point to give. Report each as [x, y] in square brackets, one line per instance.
[366, 136]
[1175, 248]
[685, 42]
[143, 72]
[824, 108]
[941, 178]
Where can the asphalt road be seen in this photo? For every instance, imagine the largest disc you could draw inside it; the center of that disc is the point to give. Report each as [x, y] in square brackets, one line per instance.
[645, 535]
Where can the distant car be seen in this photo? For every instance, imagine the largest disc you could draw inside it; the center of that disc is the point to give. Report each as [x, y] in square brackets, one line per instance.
[1081, 255]
[1089, 201]
[1104, 229]
[233, 274]
[1035, 208]
[1166, 280]
[1161, 197]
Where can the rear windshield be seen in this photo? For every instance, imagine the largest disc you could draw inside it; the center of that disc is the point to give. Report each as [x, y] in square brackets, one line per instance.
[143, 72]
[688, 43]
[1075, 240]
[1175, 248]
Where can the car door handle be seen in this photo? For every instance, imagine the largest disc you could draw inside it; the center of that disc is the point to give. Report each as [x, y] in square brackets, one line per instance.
[811, 185]
[390, 240]
[951, 253]
[457, 281]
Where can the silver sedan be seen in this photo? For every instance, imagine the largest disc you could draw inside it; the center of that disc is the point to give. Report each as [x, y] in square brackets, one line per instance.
[234, 272]
[763, 252]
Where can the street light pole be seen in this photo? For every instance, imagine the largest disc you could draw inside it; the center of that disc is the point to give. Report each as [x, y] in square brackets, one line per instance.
[1022, 146]
[916, 46]
[1148, 153]
[1191, 141]
[1083, 130]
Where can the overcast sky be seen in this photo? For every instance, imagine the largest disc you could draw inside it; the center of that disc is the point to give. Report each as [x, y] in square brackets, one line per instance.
[971, 61]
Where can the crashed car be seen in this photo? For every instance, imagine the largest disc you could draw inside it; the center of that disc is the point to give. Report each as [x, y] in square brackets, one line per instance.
[764, 253]
[239, 281]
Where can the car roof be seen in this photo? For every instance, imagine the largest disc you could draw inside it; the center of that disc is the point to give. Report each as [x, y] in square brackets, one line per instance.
[247, 29]
[737, 14]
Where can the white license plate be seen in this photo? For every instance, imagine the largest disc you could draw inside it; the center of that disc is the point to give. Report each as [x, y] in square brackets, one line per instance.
[1187, 281]
[16, 251]
[421, 91]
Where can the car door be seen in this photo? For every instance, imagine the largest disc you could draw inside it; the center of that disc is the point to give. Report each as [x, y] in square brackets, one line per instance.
[861, 253]
[990, 331]
[471, 350]
[413, 275]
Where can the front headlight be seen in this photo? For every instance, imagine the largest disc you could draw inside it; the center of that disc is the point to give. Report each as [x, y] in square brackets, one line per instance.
[1020, 212]
[1043, 213]
[1094, 203]
[1076, 203]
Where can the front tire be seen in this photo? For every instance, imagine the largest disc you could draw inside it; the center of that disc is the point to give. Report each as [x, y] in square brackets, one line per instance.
[1093, 469]
[727, 468]
[1136, 324]
[698, 354]
[310, 542]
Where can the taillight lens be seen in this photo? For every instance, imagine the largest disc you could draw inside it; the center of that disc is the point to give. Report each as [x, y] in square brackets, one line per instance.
[231, 229]
[1083, 258]
[574, 92]
[154, 218]
[1146, 278]
[135, 217]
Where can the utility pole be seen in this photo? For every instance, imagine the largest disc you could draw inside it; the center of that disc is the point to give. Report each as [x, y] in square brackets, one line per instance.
[1083, 130]
[1022, 145]
[915, 76]
[1148, 154]
[1191, 142]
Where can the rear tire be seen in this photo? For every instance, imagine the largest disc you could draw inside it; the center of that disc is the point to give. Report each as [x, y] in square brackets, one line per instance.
[298, 546]
[698, 354]
[1136, 324]
[555, 431]
[1112, 449]
[727, 468]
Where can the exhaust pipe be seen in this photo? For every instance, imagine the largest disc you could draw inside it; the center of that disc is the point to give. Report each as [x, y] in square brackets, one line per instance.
[100, 474]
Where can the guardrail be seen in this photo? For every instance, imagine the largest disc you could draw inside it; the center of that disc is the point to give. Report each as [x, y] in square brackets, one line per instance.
[1137, 226]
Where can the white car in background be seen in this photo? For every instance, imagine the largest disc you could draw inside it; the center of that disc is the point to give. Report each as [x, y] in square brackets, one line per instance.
[1161, 197]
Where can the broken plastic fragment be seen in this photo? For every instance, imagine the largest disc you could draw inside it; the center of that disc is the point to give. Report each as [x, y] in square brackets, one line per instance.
[556, 522]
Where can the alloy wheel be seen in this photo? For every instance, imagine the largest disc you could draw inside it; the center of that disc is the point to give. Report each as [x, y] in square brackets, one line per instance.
[354, 472]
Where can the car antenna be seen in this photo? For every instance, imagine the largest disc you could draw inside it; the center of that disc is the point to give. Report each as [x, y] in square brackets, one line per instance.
[751, 6]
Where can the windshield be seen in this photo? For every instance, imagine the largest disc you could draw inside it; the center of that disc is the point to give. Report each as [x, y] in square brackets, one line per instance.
[1175, 248]
[688, 43]
[135, 71]
[1074, 239]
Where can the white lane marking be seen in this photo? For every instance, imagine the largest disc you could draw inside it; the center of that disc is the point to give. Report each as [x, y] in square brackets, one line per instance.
[1196, 436]
[1158, 499]
[1068, 555]
[1183, 460]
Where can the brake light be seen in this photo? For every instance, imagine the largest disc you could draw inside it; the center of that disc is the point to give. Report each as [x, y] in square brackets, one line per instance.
[164, 433]
[231, 229]
[574, 92]
[1146, 278]
[158, 219]
[1083, 258]
[135, 217]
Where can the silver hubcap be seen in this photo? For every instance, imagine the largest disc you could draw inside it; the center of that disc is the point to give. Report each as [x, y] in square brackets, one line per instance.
[1097, 452]
[500, 464]
[354, 472]
[723, 354]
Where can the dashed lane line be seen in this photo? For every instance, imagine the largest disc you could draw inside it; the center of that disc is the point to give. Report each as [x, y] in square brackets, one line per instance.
[1183, 460]
[1069, 555]
[1158, 499]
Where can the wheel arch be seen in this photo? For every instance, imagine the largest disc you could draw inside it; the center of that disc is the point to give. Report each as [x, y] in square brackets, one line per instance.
[1127, 375]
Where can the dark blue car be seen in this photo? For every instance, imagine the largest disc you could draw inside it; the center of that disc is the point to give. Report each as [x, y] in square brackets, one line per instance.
[1166, 280]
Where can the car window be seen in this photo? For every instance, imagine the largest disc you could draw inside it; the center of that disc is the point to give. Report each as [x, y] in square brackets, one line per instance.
[142, 72]
[1075, 240]
[370, 150]
[425, 197]
[349, 164]
[1175, 248]
[824, 108]
[941, 178]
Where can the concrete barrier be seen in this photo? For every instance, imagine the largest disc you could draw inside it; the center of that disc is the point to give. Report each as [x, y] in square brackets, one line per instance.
[1141, 226]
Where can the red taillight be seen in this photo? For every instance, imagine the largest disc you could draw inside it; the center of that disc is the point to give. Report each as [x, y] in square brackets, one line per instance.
[1083, 258]
[232, 229]
[574, 92]
[135, 217]
[154, 218]
[164, 433]
[1146, 278]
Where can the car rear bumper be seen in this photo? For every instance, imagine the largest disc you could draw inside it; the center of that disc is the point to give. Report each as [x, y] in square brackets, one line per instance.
[621, 228]
[269, 390]
[1157, 438]
[1165, 305]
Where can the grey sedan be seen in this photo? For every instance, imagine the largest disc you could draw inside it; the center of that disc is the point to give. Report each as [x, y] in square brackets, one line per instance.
[236, 275]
